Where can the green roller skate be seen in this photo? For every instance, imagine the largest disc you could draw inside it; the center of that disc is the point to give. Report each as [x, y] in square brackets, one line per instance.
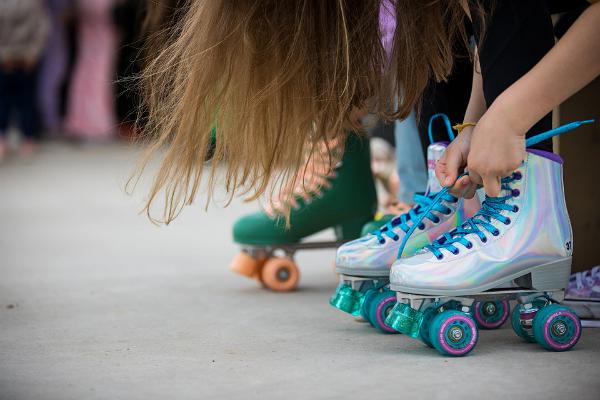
[343, 198]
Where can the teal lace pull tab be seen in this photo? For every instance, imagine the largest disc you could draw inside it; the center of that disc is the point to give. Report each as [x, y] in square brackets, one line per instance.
[556, 131]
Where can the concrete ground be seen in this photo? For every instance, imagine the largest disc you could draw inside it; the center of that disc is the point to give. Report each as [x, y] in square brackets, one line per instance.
[97, 303]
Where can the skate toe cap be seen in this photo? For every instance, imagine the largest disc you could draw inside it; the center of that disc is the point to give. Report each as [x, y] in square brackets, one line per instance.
[259, 229]
[361, 254]
[412, 271]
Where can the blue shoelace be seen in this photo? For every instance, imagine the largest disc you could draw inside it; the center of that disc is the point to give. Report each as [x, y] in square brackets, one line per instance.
[481, 222]
[424, 209]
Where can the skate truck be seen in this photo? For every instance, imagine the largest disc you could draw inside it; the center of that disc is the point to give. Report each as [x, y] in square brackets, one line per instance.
[518, 246]
[345, 201]
[364, 264]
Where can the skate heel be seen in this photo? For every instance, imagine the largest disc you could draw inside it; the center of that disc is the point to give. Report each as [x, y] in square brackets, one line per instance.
[549, 276]
[350, 229]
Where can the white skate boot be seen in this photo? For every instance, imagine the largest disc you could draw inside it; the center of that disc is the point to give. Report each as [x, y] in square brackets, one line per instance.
[519, 245]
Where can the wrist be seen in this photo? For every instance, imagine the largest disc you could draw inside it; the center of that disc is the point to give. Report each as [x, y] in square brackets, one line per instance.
[506, 113]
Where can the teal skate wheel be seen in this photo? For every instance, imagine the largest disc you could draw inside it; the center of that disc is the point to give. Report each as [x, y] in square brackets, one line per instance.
[367, 300]
[491, 314]
[556, 328]
[379, 308]
[405, 320]
[453, 333]
[522, 322]
[522, 319]
[347, 299]
[429, 314]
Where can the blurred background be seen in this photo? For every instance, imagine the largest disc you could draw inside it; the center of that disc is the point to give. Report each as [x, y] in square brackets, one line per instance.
[65, 72]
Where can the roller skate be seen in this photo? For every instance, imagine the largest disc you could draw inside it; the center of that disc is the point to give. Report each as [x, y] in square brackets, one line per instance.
[342, 198]
[364, 264]
[517, 247]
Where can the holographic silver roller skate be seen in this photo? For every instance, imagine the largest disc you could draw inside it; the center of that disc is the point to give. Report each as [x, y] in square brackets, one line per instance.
[364, 264]
[517, 247]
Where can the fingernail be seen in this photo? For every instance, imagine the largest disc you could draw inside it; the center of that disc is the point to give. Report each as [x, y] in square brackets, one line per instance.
[447, 181]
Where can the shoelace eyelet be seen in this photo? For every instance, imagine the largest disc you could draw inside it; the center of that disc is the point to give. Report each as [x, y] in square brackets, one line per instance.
[439, 257]
[455, 252]
[483, 239]
[436, 221]
[421, 227]
[381, 241]
[517, 176]
[507, 221]
[469, 245]
[496, 233]
[515, 209]
[515, 192]
[396, 238]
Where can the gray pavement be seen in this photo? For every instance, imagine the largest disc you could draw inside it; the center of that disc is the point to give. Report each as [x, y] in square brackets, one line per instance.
[97, 303]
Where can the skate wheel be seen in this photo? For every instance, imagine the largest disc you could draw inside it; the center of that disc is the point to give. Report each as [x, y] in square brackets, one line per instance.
[379, 308]
[556, 328]
[245, 264]
[364, 309]
[429, 314]
[405, 320]
[280, 274]
[521, 322]
[491, 314]
[453, 333]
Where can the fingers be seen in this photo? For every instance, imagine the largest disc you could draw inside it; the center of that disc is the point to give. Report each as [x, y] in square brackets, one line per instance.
[440, 169]
[460, 186]
[470, 191]
[464, 187]
[446, 169]
[492, 185]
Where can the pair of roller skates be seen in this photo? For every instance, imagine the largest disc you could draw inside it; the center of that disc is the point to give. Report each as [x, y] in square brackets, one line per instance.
[518, 246]
[364, 264]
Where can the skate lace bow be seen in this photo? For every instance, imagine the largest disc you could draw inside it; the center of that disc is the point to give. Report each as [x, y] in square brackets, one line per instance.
[423, 209]
[492, 209]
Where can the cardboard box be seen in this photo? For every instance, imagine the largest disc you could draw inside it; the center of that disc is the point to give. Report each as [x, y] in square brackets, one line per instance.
[580, 150]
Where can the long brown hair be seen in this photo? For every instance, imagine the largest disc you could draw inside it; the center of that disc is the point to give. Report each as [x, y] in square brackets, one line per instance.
[275, 78]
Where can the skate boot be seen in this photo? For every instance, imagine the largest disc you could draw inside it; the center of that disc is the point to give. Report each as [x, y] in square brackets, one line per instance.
[364, 264]
[518, 246]
[345, 200]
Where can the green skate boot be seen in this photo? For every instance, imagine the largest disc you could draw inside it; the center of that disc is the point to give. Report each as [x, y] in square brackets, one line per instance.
[345, 201]
[378, 222]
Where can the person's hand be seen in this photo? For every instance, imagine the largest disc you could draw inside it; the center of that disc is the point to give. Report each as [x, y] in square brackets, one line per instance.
[497, 150]
[453, 162]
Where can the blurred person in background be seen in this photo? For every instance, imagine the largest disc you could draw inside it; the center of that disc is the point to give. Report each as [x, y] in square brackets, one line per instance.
[91, 101]
[128, 19]
[53, 67]
[24, 26]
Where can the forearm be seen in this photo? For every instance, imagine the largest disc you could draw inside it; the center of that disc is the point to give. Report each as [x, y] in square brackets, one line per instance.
[568, 67]
[476, 107]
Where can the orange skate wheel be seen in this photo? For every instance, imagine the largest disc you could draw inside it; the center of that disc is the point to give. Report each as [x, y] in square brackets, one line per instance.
[245, 264]
[280, 274]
